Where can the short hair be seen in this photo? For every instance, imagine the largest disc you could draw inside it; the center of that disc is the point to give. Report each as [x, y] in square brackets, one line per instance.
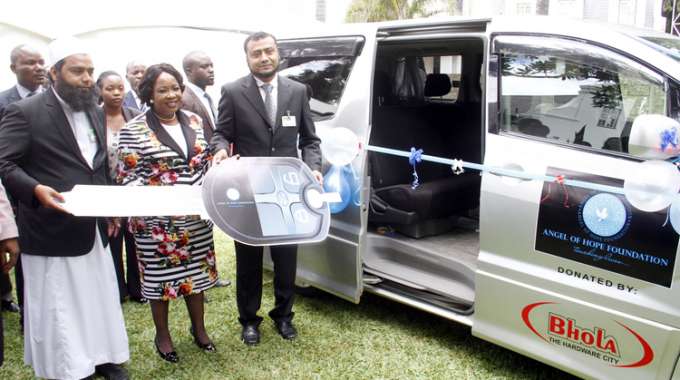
[130, 64]
[256, 37]
[190, 59]
[104, 75]
[14, 54]
[149, 79]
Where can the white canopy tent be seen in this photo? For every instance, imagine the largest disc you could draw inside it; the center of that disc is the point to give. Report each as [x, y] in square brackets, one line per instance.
[149, 31]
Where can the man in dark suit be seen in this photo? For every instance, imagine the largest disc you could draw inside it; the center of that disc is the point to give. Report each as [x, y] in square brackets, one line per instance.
[49, 143]
[133, 73]
[263, 114]
[198, 68]
[28, 66]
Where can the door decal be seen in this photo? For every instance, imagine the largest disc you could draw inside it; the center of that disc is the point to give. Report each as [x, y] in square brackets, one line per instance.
[604, 230]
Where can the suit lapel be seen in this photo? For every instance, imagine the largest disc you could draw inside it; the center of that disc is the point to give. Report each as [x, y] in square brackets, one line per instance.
[63, 126]
[14, 96]
[189, 134]
[162, 135]
[205, 115]
[252, 93]
[282, 101]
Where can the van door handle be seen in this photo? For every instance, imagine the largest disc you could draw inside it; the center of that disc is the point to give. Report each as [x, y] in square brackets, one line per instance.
[508, 178]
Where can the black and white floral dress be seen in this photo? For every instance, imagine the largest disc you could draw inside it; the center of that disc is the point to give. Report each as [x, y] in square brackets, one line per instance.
[176, 253]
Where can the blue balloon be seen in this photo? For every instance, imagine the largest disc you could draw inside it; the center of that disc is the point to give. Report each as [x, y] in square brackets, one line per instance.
[354, 184]
[335, 182]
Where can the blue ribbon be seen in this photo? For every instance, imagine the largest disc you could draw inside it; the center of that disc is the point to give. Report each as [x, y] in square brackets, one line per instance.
[669, 137]
[415, 158]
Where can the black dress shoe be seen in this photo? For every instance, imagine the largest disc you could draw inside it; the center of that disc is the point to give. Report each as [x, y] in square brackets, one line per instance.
[9, 305]
[207, 347]
[111, 371]
[286, 329]
[250, 335]
[171, 356]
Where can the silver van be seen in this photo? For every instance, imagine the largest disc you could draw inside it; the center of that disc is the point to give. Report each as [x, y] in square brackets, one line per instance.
[579, 278]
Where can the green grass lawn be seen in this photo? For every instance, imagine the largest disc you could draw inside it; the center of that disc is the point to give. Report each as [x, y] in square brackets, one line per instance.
[377, 339]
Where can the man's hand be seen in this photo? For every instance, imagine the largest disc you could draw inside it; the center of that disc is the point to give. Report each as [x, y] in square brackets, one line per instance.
[10, 246]
[49, 198]
[219, 156]
[113, 227]
[318, 176]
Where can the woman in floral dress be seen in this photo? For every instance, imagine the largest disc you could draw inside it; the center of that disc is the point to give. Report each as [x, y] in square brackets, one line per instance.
[165, 147]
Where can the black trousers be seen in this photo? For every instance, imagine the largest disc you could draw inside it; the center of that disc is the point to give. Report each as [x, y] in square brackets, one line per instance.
[132, 288]
[249, 282]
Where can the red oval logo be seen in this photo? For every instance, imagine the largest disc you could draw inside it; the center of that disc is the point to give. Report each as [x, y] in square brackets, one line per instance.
[595, 337]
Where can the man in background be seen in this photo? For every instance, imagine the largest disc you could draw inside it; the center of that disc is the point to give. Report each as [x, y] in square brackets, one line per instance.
[133, 73]
[28, 66]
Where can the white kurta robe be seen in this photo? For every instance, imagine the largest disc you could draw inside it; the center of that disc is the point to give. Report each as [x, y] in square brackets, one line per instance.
[73, 319]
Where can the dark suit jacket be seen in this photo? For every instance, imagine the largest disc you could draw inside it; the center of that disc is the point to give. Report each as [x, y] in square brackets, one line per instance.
[8, 97]
[129, 101]
[242, 120]
[191, 102]
[37, 146]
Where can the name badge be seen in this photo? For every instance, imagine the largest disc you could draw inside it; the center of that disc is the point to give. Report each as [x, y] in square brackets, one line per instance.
[288, 121]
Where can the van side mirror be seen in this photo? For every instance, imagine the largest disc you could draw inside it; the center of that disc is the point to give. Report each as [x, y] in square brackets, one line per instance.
[654, 137]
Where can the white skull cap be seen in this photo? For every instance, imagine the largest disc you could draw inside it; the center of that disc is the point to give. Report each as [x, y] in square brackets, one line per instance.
[63, 47]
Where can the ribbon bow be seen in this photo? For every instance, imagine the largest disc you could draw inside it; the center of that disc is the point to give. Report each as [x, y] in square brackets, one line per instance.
[413, 159]
[457, 167]
[669, 137]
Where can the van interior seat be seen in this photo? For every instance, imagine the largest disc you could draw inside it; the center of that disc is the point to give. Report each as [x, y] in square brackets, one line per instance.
[443, 130]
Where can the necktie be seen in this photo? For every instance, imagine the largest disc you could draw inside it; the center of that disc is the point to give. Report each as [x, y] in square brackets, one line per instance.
[269, 106]
[30, 94]
[212, 106]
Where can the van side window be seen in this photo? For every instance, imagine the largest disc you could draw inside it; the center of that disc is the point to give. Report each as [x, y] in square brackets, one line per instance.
[573, 92]
[446, 71]
[323, 65]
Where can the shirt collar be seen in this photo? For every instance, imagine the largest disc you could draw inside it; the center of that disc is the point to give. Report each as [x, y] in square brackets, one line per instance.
[274, 82]
[197, 90]
[23, 91]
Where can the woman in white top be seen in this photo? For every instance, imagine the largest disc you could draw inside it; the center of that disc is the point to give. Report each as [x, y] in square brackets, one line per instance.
[165, 147]
[111, 92]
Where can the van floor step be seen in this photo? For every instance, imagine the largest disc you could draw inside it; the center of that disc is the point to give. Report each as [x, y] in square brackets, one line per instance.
[443, 265]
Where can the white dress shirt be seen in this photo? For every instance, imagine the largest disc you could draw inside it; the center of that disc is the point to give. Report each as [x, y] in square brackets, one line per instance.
[23, 91]
[175, 131]
[82, 130]
[275, 90]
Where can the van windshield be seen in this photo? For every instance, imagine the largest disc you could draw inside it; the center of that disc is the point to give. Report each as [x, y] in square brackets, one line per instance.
[323, 65]
[668, 46]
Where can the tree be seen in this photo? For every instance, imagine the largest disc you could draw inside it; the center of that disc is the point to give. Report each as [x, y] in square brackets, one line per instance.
[383, 10]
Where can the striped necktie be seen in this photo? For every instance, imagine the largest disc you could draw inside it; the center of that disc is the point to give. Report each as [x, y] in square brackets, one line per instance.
[269, 106]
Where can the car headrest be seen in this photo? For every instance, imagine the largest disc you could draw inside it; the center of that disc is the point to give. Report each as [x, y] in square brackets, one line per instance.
[437, 85]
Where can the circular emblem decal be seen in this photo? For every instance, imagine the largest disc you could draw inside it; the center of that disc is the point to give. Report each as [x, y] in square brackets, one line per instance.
[604, 215]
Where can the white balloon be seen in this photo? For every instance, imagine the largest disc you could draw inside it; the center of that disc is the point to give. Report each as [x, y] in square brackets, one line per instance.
[647, 137]
[652, 185]
[674, 214]
[339, 145]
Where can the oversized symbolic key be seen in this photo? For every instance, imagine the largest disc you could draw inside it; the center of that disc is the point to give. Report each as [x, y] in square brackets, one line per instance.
[266, 201]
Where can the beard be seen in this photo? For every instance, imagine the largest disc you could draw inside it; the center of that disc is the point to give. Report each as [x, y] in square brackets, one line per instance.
[79, 99]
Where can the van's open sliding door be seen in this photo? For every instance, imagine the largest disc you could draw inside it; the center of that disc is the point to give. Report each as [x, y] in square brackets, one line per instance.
[337, 71]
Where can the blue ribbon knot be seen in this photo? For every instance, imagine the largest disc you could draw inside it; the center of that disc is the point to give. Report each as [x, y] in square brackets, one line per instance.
[669, 137]
[414, 158]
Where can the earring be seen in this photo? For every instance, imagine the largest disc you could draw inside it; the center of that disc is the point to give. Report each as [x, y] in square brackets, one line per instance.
[151, 101]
